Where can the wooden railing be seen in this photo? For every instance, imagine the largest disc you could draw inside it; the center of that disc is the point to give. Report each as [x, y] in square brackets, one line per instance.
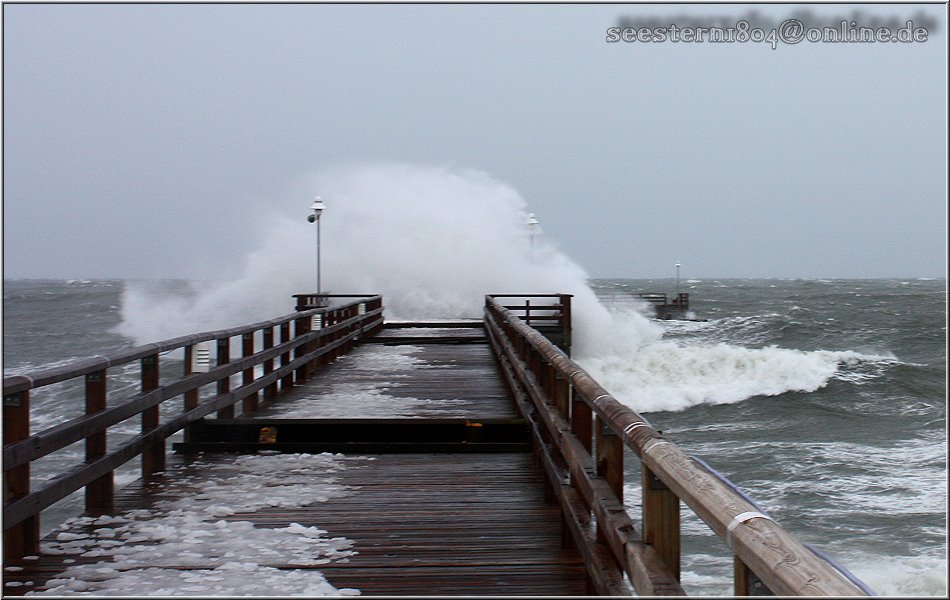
[663, 306]
[286, 358]
[581, 431]
[548, 313]
[321, 300]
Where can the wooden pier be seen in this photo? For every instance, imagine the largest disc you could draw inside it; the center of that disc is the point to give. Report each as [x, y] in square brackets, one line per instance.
[479, 459]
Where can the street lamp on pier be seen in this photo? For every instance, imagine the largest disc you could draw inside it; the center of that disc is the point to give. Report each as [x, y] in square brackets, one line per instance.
[677, 279]
[533, 228]
[317, 207]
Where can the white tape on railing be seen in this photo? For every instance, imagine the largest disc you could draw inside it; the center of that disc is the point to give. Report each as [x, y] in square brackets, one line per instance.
[740, 519]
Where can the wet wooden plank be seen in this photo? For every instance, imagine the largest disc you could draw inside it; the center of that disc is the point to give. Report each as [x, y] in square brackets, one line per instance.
[418, 380]
[447, 524]
[424, 523]
[437, 524]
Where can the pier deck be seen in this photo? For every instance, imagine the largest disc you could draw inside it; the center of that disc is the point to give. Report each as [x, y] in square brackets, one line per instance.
[457, 521]
[428, 458]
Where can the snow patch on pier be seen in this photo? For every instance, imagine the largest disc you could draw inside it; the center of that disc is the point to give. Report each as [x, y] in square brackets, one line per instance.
[193, 541]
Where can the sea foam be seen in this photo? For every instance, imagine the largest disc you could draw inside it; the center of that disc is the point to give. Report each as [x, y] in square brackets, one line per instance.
[669, 376]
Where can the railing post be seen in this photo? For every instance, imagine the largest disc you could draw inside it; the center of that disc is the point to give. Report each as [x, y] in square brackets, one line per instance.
[354, 314]
[609, 462]
[323, 340]
[287, 381]
[99, 493]
[191, 396]
[566, 326]
[270, 391]
[224, 385]
[314, 364]
[22, 539]
[661, 520]
[534, 363]
[347, 314]
[562, 395]
[549, 382]
[582, 422]
[746, 582]
[338, 317]
[372, 305]
[249, 403]
[301, 327]
[153, 457]
[330, 319]
[610, 458]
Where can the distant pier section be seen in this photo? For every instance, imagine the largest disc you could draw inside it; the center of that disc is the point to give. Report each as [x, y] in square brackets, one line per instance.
[675, 306]
[666, 306]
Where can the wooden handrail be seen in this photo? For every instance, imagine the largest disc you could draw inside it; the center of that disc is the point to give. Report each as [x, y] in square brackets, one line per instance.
[318, 300]
[579, 421]
[19, 383]
[555, 314]
[341, 327]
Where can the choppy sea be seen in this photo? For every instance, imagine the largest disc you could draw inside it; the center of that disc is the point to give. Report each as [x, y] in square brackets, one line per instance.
[824, 400]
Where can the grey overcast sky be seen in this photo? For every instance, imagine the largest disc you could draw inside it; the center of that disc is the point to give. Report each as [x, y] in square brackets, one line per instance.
[137, 136]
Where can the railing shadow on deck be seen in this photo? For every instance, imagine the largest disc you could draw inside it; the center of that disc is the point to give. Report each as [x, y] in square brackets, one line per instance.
[580, 431]
[287, 358]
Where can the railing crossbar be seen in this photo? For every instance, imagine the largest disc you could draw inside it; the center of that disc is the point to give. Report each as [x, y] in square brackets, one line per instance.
[343, 325]
[59, 436]
[83, 474]
[19, 383]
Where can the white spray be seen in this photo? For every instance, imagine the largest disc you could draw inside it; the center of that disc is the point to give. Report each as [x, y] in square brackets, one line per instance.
[433, 241]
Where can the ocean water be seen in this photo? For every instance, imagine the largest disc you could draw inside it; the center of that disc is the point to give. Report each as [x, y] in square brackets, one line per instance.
[825, 401]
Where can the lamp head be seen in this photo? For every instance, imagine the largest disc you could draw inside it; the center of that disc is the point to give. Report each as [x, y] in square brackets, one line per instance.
[317, 207]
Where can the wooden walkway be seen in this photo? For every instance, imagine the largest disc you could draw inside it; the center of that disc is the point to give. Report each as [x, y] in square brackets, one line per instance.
[443, 524]
[406, 373]
[468, 518]
[340, 455]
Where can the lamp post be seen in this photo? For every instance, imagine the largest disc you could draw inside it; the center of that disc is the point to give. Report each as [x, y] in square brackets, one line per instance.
[317, 207]
[533, 228]
[677, 280]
